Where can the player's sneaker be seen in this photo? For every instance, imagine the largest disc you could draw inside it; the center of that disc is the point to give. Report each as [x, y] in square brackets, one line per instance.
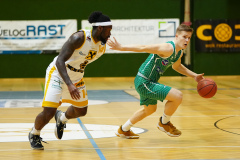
[128, 134]
[169, 129]
[59, 125]
[35, 141]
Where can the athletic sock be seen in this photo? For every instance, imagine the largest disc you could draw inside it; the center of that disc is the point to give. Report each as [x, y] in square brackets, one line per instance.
[165, 118]
[126, 127]
[63, 118]
[35, 132]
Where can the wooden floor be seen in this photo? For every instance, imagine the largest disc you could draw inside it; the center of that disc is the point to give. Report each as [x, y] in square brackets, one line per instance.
[210, 127]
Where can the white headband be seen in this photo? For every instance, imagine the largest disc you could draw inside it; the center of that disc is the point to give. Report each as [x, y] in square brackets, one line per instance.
[109, 23]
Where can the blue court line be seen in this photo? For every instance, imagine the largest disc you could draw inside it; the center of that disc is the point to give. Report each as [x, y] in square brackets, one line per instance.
[94, 144]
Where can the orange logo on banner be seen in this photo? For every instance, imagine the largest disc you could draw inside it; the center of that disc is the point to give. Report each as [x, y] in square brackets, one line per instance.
[223, 32]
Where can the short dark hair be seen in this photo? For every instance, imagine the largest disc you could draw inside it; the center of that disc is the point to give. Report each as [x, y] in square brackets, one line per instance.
[97, 16]
[184, 27]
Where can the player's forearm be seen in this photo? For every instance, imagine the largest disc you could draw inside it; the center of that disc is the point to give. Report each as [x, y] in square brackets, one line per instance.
[133, 48]
[63, 72]
[185, 71]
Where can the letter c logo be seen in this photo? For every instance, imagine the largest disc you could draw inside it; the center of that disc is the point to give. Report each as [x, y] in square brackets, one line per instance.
[200, 34]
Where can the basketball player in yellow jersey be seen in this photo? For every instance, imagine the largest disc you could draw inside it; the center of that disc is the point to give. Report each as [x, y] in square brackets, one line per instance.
[146, 82]
[64, 77]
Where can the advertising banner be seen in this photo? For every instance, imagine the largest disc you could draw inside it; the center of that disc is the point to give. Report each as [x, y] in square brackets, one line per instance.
[140, 31]
[217, 35]
[26, 37]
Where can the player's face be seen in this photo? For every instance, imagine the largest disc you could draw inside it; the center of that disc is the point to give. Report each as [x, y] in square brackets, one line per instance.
[105, 34]
[183, 38]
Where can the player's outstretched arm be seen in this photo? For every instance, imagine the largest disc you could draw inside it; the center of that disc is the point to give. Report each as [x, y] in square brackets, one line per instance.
[163, 49]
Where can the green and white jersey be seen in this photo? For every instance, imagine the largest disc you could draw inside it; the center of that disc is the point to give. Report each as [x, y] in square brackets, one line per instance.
[154, 66]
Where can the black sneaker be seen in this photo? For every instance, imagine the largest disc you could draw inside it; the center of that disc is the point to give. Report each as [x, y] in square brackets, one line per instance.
[35, 141]
[59, 125]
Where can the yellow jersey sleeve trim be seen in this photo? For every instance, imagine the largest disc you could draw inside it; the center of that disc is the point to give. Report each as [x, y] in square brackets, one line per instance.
[104, 49]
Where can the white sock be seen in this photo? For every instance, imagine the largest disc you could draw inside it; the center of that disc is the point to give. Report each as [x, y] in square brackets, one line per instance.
[35, 132]
[63, 118]
[165, 118]
[126, 127]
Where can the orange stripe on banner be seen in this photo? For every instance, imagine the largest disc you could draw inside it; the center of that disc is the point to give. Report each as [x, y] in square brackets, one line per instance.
[78, 104]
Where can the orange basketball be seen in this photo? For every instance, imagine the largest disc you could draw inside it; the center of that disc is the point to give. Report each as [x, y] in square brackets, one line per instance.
[207, 88]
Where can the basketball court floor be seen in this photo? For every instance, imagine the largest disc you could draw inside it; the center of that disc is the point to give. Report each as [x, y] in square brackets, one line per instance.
[210, 127]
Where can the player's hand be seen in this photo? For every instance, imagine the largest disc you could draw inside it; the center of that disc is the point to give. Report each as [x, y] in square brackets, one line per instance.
[74, 92]
[199, 77]
[114, 45]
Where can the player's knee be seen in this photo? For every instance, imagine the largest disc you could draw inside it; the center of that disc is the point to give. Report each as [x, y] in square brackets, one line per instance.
[79, 112]
[48, 113]
[84, 112]
[179, 96]
[150, 109]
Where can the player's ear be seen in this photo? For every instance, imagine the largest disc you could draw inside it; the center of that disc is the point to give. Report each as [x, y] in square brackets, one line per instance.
[100, 28]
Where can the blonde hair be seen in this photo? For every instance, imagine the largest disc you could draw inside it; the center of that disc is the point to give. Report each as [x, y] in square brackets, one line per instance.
[184, 27]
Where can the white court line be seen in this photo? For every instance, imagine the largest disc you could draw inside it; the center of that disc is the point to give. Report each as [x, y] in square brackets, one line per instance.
[127, 148]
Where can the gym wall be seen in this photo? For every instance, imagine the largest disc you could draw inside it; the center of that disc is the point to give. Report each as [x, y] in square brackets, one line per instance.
[116, 65]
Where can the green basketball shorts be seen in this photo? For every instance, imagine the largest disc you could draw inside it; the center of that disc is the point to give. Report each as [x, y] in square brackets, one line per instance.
[150, 91]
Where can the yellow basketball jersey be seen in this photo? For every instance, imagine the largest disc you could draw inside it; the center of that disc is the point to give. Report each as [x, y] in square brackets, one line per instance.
[81, 57]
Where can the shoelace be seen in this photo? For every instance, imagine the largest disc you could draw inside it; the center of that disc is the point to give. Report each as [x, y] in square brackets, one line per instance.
[63, 125]
[172, 126]
[38, 139]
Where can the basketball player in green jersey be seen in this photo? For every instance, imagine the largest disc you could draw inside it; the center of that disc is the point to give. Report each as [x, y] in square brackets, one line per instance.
[146, 82]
